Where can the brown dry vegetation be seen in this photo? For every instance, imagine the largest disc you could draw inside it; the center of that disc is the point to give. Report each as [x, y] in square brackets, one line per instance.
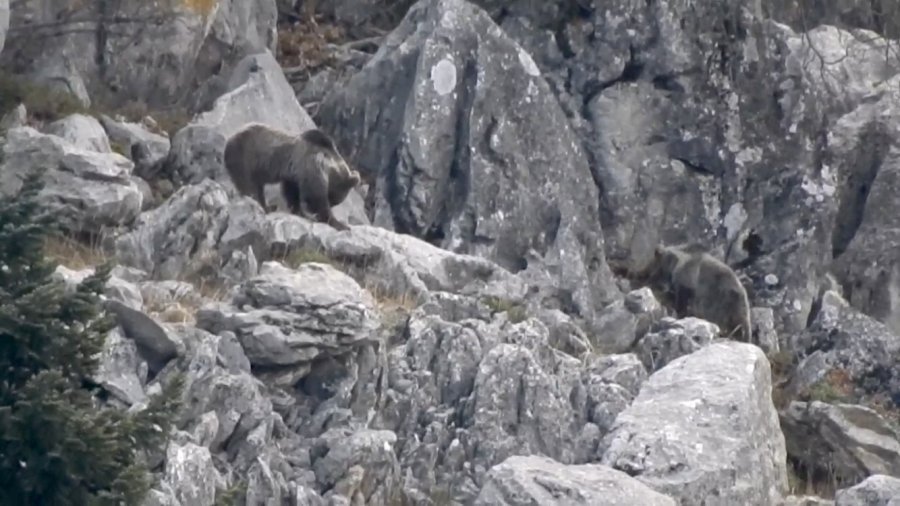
[73, 253]
[303, 46]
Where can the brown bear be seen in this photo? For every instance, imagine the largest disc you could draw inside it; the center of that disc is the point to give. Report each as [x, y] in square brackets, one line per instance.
[308, 166]
[700, 285]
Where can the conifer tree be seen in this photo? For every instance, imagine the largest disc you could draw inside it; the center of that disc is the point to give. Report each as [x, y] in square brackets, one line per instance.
[58, 444]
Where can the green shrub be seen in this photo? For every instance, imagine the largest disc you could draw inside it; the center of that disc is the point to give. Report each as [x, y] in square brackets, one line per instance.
[57, 446]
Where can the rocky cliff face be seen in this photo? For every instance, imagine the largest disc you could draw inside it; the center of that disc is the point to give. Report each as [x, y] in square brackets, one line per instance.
[473, 339]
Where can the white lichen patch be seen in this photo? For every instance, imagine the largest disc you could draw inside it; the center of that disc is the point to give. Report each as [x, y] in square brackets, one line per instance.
[528, 64]
[443, 76]
[734, 220]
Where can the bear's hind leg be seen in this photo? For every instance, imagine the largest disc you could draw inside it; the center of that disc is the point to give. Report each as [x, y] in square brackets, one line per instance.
[290, 190]
[259, 193]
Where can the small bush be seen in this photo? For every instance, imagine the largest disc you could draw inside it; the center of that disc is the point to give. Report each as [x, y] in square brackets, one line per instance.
[515, 312]
[43, 103]
[73, 253]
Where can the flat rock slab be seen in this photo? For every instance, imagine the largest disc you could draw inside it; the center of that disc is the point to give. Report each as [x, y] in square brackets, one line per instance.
[535, 480]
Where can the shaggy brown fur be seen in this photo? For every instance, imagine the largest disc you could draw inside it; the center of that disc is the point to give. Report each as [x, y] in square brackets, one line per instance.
[308, 166]
[700, 285]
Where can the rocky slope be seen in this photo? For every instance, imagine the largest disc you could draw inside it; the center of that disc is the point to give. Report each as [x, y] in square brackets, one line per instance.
[471, 339]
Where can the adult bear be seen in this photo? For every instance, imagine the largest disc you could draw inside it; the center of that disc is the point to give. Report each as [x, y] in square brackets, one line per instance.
[308, 166]
[702, 286]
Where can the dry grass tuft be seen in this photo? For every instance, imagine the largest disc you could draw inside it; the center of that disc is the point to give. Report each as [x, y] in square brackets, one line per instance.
[72, 253]
[201, 7]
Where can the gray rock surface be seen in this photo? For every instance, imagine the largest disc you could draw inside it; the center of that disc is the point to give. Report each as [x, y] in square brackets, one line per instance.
[121, 371]
[673, 339]
[4, 21]
[82, 131]
[793, 500]
[470, 149]
[843, 340]
[868, 261]
[359, 466]
[200, 215]
[156, 57]
[191, 474]
[285, 317]
[524, 481]
[736, 456]
[86, 189]
[125, 134]
[851, 442]
[876, 490]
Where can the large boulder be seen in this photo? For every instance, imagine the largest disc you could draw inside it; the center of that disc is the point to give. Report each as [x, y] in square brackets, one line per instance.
[704, 430]
[876, 490]
[866, 240]
[468, 148]
[285, 317]
[162, 50]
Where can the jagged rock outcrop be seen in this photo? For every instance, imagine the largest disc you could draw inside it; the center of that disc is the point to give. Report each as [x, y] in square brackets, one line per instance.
[867, 158]
[473, 346]
[852, 441]
[125, 134]
[87, 189]
[673, 339]
[135, 50]
[739, 455]
[843, 341]
[717, 136]
[285, 319]
[470, 150]
[193, 234]
[523, 481]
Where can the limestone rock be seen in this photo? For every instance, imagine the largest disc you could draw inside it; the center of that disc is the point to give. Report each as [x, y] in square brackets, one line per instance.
[285, 317]
[450, 100]
[82, 131]
[528, 480]
[854, 441]
[156, 57]
[86, 189]
[190, 472]
[876, 490]
[737, 456]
